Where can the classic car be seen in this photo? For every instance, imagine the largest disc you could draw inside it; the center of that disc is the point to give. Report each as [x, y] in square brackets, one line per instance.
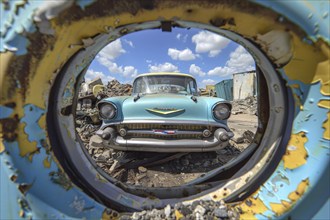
[164, 114]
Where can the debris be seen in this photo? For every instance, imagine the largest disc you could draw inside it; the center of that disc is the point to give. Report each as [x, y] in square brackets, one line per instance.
[248, 105]
[142, 169]
[167, 211]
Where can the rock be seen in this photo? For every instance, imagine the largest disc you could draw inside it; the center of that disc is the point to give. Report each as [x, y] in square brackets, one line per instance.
[238, 140]
[199, 216]
[200, 209]
[135, 216]
[167, 211]
[96, 141]
[206, 163]
[185, 162]
[142, 169]
[248, 135]
[220, 213]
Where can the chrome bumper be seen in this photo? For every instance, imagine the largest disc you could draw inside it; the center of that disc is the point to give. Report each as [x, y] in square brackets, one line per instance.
[218, 141]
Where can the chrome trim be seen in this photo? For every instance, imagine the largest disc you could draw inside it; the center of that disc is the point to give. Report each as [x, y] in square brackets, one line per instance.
[152, 132]
[176, 145]
[169, 122]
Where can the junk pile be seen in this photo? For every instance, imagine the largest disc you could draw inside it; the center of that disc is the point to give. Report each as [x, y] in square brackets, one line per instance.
[115, 88]
[87, 115]
[245, 106]
[195, 210]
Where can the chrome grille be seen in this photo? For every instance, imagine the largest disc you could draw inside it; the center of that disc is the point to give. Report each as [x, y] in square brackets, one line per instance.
[178, 127]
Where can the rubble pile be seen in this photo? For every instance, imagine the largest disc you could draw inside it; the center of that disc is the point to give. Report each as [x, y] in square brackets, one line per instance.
[245, 106]
[115, 88]
[196, 210]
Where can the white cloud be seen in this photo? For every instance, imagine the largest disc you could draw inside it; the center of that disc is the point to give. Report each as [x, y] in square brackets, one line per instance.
[196, 70]
[91, 75]
[184, 55]
[240, 61]
[112, 50]
[129, 71]
[109, 53]
[208, 42]
[148, 61]
[182, 37]
[208, 82]
[165, 67]
[130, 43]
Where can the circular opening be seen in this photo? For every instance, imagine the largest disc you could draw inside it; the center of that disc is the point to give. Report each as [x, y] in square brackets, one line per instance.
[244, 176]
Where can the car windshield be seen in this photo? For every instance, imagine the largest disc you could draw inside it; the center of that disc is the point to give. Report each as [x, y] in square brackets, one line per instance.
[165, 84]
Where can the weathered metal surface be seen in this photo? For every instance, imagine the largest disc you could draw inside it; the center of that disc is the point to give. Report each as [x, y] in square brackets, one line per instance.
[29, 64]
[244, 85]
[224, 89]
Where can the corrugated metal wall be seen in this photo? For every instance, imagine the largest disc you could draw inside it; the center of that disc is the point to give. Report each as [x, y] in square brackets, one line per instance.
[224, 89]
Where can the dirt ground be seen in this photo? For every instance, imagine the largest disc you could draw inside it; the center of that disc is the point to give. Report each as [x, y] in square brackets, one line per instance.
[138, 168]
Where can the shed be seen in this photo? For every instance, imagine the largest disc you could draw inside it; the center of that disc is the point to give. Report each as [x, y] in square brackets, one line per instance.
[224, 89]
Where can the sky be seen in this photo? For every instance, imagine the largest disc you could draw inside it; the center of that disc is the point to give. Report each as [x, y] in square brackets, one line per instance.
[209, 57]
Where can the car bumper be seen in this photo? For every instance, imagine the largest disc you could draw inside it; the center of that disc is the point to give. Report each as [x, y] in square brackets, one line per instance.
[218, 141]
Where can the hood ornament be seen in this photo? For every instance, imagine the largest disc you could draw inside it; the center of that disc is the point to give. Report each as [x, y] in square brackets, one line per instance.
[164, 111]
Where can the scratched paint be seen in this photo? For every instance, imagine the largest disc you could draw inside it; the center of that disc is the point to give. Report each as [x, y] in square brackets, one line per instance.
[296, 154]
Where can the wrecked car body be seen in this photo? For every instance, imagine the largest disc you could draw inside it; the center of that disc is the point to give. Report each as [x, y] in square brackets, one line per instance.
[164, 114]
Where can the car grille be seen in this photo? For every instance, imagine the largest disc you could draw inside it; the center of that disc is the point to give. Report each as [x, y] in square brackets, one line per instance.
[179, 127]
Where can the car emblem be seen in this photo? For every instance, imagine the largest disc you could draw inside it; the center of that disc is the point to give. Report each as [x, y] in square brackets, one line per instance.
[159, 131]
[164, 111]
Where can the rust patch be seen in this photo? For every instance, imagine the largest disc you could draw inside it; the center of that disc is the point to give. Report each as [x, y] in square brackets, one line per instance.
[61, 179]
[24, 187]
[13, 178]
[281, 208]
[9, 126]
[251, 207]
[110, 214]
[296, 153]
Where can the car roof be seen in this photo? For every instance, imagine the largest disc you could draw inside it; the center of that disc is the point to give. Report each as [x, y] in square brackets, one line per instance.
[165, 74]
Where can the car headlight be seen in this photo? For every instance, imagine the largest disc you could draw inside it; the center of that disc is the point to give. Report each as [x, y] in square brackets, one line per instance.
[107, 111]
[221, 111]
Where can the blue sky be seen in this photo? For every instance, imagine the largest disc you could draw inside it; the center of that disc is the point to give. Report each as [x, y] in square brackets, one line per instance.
[209, 57]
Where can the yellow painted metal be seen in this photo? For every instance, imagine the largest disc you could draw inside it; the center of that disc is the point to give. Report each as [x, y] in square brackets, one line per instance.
[301, 189]
[324, 103]
[251, 207]
[97, 89]
[322, 73]
[296, 153]
[280, 208]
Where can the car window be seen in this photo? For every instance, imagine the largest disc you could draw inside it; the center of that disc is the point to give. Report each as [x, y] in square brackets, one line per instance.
[165, 84]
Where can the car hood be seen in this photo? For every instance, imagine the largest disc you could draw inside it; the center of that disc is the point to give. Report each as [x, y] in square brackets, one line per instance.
[165, 106]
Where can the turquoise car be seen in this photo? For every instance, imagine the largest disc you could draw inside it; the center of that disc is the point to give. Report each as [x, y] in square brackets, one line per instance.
[165, 114]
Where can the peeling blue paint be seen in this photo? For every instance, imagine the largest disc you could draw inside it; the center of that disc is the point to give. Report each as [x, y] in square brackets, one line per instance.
[46, 199]
[84, 3]
[5, 112]
[13, 26]
[277, 189]
[311, 16]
